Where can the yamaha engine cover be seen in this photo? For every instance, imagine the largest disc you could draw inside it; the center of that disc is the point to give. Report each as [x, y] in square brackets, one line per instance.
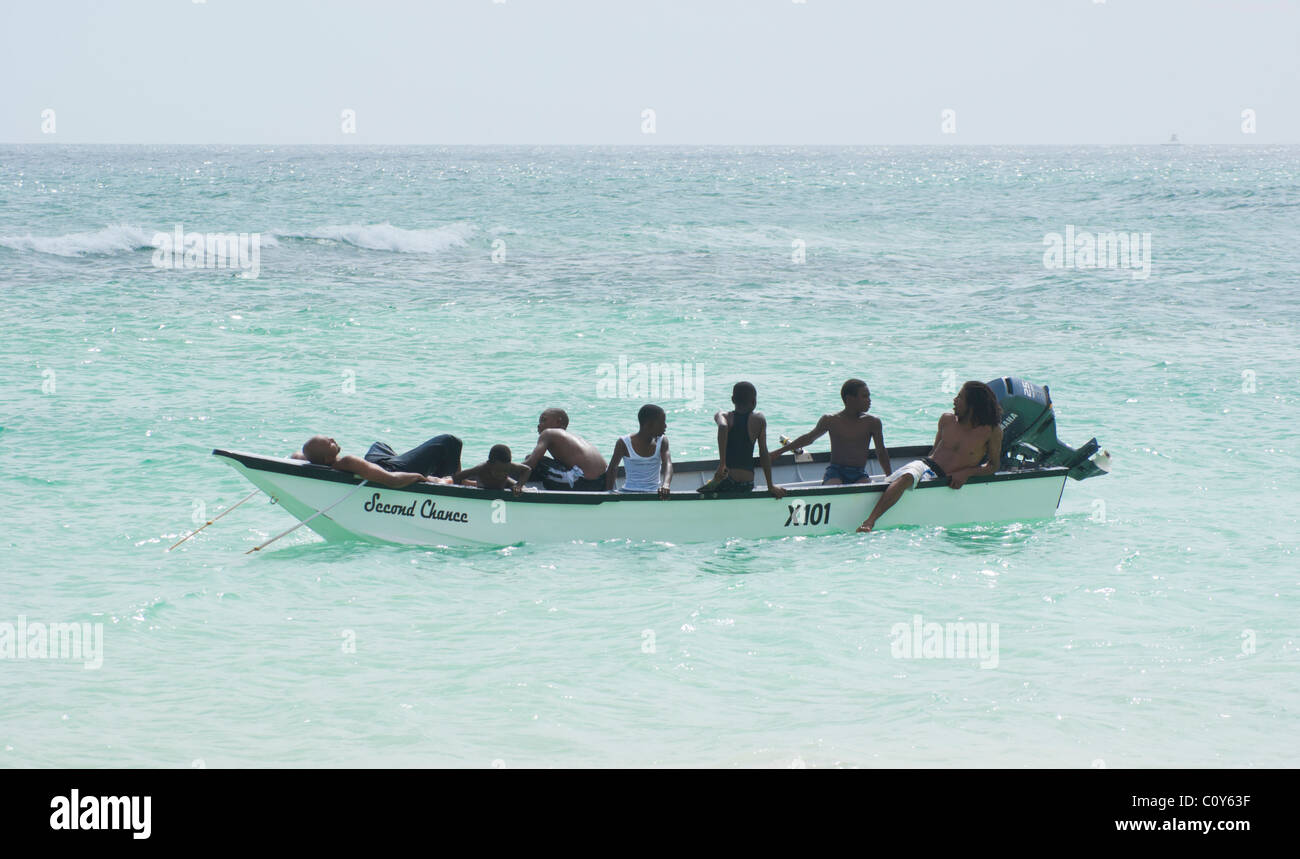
[1029, 430]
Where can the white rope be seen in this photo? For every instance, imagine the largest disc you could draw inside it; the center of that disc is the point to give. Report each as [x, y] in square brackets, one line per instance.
[308, 519]
[210, 521]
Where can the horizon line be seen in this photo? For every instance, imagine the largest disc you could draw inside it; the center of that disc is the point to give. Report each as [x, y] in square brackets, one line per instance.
[359, 144]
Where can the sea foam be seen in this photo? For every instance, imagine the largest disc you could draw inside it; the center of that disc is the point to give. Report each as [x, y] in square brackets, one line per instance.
[124, 238]
[116, 238]
[386, 237]
[112, 239]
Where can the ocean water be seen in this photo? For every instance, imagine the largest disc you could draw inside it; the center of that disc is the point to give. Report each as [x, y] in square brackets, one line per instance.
[402, 292]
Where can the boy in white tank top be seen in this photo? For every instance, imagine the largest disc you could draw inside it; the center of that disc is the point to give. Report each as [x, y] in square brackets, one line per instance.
[646, 462]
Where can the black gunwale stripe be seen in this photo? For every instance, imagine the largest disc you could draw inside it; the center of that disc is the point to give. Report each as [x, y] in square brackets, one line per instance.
[324, 472]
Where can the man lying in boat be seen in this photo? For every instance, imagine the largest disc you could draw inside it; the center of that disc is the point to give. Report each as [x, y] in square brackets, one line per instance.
[738, 431]
[323, 450]
[968, 443]
[651, 471]
[497, 473]
[852, 432]
[573, 462]
[439, 456]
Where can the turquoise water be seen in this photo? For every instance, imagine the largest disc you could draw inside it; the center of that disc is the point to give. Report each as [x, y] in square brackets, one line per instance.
[1152, 622]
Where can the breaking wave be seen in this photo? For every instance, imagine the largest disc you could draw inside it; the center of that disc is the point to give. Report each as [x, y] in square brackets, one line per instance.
[386, 237]
[125, 238]
[118, 238]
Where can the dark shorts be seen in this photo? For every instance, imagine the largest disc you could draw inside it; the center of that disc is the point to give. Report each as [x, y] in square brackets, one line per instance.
[439, 456]
[558, 478]
[846, 473]
[729, 485]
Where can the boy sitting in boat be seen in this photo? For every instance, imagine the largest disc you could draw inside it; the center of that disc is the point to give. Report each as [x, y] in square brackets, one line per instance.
[648, 468]
[497, 473]
[968, 435]
[573, 464]
[323, 450]
[852, 432]
[738, 431]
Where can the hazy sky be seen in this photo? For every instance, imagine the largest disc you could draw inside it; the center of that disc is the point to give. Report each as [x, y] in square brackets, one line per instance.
[713, 71]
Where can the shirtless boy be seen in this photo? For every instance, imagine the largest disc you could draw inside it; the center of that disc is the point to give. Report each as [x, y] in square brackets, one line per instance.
[967, 436]
[573, 463]
[497, 473]
[852, 432]
[323, 450]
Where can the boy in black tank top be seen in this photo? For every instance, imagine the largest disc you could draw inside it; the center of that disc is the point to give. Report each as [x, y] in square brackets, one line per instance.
[738, 431]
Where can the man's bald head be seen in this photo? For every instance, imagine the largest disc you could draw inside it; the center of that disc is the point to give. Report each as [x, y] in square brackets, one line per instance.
[321, 450]
[553, 419]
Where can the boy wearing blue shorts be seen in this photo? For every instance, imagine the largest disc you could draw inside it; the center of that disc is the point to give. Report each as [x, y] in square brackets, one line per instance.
[852, 432]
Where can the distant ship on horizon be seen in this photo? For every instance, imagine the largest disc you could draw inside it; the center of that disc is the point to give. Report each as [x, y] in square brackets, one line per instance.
[1172, 141]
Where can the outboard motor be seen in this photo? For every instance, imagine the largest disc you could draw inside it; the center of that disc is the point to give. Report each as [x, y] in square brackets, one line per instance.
[1029, 432]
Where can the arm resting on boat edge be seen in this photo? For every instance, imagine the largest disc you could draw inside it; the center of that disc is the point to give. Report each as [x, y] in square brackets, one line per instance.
[992, 461]
[369, 471]
[720, 418]
[666, 476]
[882, 454]
[765, 458]
[612, 472]
[519, 474]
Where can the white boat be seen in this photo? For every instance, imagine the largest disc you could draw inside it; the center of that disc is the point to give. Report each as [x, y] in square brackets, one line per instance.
[440, 515]
[335, 505]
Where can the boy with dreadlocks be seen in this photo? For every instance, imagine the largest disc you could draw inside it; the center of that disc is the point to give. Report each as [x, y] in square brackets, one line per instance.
[968, 443]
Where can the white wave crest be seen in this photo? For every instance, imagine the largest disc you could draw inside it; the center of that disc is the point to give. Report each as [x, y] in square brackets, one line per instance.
[117, 238]
[386, 237]
[113, 239]
[123, 238]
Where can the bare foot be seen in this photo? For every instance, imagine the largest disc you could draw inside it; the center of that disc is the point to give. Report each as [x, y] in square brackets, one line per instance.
[866, 527]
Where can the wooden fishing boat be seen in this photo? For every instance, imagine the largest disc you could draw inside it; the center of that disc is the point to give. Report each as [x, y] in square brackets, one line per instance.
[336, 505]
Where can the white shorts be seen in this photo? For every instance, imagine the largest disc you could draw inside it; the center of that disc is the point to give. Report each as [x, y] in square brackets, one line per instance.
[919, 471]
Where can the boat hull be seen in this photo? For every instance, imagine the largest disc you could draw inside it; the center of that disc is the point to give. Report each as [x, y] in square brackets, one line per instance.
[436, 515]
